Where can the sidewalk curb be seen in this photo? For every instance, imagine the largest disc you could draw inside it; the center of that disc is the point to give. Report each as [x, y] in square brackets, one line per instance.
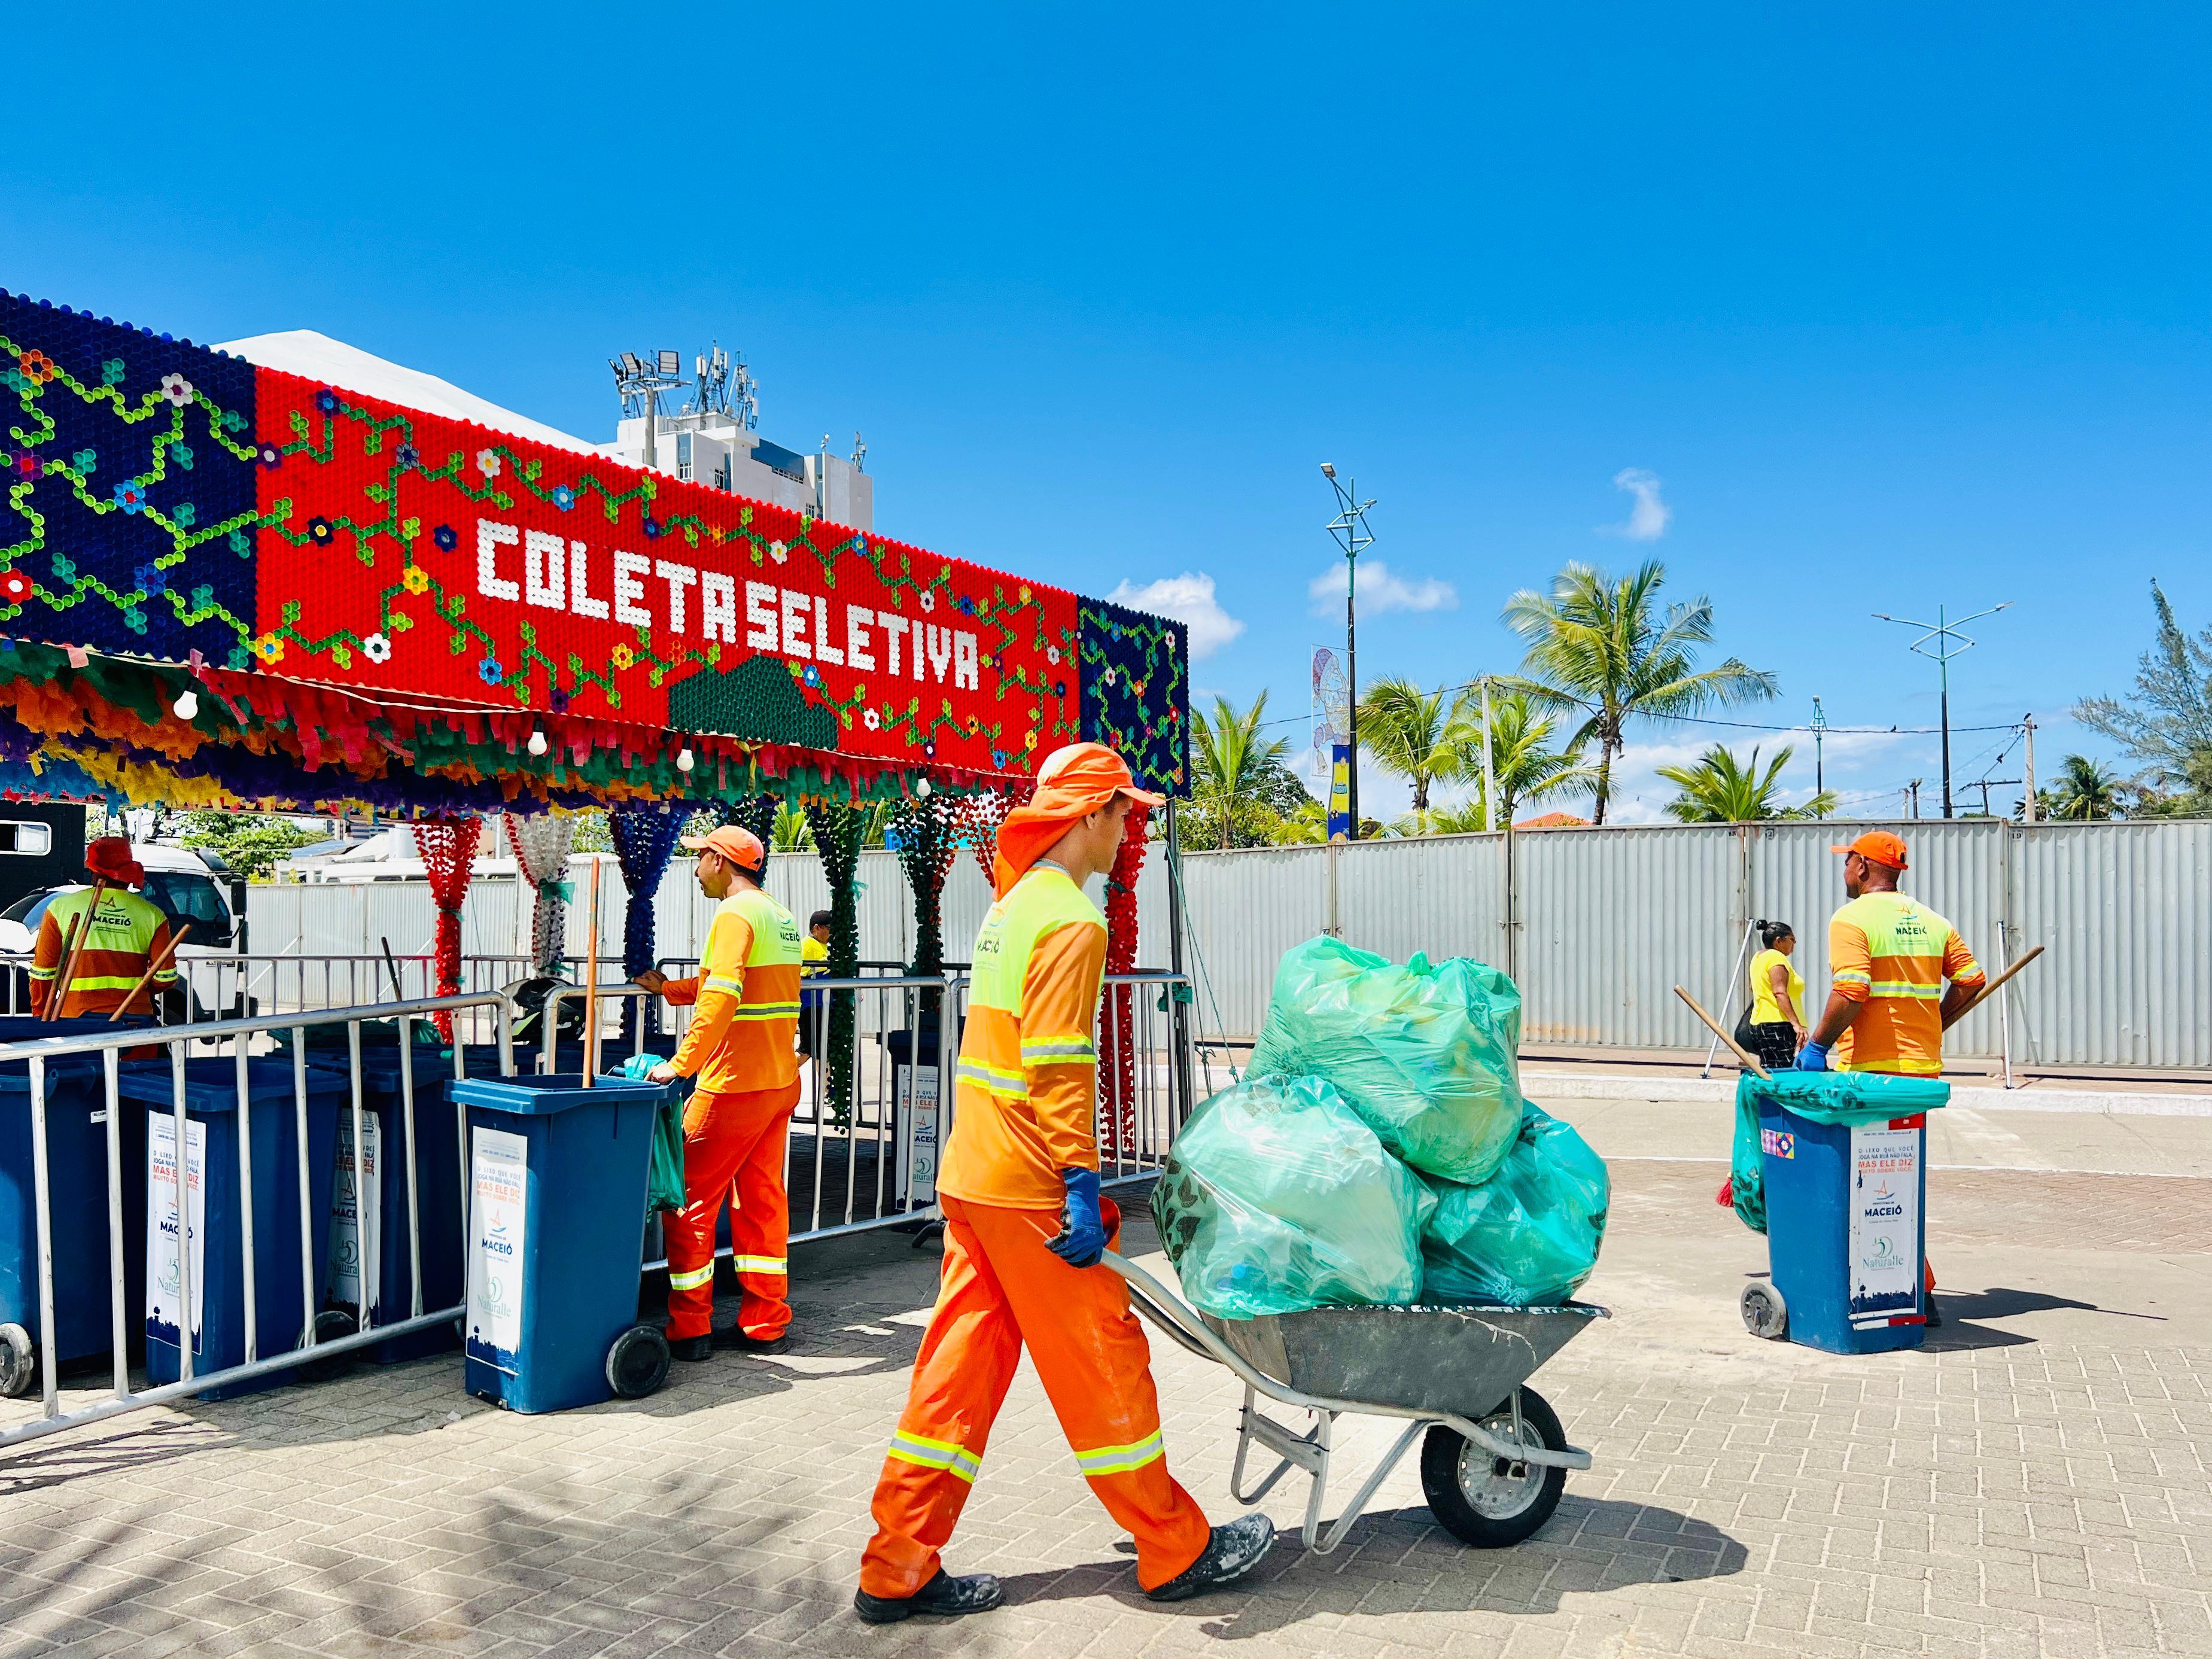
[1575, 1085]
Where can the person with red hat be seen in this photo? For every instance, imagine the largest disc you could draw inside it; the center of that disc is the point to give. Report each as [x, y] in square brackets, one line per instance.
[103, 937]
[1025, 1227]
[1888, 959]
[741, 1047]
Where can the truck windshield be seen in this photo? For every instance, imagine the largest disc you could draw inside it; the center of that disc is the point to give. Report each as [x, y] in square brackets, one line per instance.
[183, 897]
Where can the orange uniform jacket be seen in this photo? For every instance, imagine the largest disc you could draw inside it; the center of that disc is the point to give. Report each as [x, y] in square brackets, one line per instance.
[744, 1036]
[120, 938]
[1892, 954]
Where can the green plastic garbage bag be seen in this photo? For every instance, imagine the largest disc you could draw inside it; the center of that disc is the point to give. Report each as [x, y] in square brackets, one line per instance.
[1429, 1057]
[1843, 1097]
[1277, 1198]
[664, 1182]
[1528, 1236]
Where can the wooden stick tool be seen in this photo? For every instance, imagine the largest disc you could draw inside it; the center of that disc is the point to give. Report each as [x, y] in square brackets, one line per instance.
[1993, 988]
[160, 961]
[1750, 1061]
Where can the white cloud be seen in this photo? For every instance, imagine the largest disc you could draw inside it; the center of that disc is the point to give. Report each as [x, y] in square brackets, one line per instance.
[1380, 591]
[1647, 520]
[1190, 601]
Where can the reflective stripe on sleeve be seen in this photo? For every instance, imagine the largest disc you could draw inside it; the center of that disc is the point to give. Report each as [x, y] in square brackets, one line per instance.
[54, 972]
[761, 1264]
[994, 1081]
[1120, 1459]
[934, 1455]
[1070, 1050]
[729, 988]
[1851, 976]
[691, 1280]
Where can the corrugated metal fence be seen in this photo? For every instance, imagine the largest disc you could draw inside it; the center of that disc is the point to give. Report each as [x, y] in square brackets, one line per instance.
[1605, 922]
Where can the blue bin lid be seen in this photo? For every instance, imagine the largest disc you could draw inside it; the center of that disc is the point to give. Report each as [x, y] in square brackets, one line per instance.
[542, 1096]
[211, 1083]
[16, 1072]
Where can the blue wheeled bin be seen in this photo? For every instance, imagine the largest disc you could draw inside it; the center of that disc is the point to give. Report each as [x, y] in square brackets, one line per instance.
[437, 1185]
[212, 1103]
[557, 1185]
[1843, 1158]
[76, 1173]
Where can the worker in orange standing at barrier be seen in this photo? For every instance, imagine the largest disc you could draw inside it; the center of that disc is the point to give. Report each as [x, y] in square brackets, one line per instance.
[1888, 958]
[740, 1046]
[1024, 1229]
[112, 943]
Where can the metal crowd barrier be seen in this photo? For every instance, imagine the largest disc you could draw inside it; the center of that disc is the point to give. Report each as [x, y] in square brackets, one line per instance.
[240, 1033]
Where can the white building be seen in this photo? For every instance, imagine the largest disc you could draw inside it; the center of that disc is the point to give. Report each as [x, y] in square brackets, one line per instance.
[712, 448]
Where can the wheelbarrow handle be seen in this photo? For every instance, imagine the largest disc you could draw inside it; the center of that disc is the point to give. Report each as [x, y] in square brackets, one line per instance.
[1166, 1309]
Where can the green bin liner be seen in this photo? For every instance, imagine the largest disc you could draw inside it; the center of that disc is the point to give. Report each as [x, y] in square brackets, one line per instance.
[1277, 1198]
[1528, 1236]
[1429, 1057]
[663, 1181]
[1843, 1097]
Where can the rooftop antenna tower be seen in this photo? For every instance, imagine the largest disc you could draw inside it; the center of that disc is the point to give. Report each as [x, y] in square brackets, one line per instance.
[710, 392]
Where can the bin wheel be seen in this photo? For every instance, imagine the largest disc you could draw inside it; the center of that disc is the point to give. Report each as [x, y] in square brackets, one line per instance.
[1480, 1499]
[18, 1362]
[1765, 1313]
[637, 1365]
[330, 1324]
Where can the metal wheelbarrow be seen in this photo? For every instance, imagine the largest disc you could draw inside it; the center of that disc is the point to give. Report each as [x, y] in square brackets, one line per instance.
[1494, 1459]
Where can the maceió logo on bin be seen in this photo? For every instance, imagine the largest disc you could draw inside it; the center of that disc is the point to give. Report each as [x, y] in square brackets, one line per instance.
[1882, 1205]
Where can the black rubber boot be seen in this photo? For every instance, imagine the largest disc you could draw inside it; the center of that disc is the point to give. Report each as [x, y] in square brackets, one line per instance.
[1233, 1551]
[945, 1595]
[736, 1339]
[691, 1347]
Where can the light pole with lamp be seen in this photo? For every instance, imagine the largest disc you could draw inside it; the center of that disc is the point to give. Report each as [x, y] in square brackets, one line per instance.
[1349, 528]
[1944, 632]
[1819, 731]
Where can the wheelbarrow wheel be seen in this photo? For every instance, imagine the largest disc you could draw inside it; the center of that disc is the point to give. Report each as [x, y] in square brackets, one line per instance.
[1485, 1501]
[1765, 1313]
[637, 1365]
[18, 1362]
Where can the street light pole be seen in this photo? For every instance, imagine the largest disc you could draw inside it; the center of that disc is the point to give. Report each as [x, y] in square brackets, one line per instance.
[1349, 529]
[1949, 643]
[1819, 731]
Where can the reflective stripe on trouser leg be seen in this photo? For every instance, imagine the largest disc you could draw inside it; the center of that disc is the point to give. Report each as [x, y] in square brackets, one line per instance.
[712, 1147]
[1091, 1356]
[760, 1209]
[960, 1378]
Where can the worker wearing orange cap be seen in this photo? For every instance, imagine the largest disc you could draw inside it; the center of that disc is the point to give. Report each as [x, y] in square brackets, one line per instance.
[1025, 1226]
[103, 937]
[739, 1045]
[1888, 958]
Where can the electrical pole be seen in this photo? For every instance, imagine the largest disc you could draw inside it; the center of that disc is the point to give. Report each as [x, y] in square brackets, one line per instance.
[1914, 788]
[1349, 530]
[1944, 634]
[2027, 772]
[1489, 771]
[1819, 731]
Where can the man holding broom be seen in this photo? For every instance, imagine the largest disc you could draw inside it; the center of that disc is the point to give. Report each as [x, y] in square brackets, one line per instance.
[96, 943]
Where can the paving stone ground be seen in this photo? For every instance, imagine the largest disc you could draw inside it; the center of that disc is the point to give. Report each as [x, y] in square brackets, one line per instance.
[2034, 1482]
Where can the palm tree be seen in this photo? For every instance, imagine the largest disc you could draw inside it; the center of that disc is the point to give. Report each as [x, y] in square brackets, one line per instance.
[2082, 791]
[1412, 734]
[1720, 789]
[791, 833]
[1237, 773]
[1608, 650]
[1522, 760]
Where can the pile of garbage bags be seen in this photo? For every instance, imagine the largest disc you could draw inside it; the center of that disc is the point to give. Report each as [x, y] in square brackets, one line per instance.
[1379, 1152]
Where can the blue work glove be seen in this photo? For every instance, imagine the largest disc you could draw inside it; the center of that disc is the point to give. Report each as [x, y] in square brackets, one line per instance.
[1813, 1057]
[1082, 1236]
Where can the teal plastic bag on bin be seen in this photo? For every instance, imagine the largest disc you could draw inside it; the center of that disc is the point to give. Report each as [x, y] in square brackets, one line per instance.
[664, 1181]
[1429, 1057]
[1528, 1236]
[1277, 1198]
[1844, 1097]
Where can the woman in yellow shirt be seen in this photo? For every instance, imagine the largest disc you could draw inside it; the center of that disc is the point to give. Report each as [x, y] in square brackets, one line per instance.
[1778, 998]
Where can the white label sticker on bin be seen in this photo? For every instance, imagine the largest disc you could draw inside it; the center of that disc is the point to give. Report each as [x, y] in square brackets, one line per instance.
[348, 1252]
[1885, 1219]
[918, 1148]
[499, 1167]
[165, 1287]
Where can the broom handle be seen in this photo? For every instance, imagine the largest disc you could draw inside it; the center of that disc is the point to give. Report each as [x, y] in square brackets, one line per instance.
[77, 950]
[160, 961]
[591, 987]
[54, 999]
[1992, 987]
[1750, 1062]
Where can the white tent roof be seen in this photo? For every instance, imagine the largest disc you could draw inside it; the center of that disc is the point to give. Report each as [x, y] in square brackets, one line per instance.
[315, 357]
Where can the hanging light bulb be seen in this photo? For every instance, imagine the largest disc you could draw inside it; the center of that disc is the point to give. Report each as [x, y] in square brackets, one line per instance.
[684, 761]
[187, 704]
[537, 743]
[922, 787]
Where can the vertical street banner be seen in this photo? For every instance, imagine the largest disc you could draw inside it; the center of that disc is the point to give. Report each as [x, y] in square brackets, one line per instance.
[1340, 791]
[499, 1174]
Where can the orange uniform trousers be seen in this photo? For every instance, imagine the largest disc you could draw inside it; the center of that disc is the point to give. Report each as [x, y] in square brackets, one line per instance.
[733, 1150]
[1003, 1288]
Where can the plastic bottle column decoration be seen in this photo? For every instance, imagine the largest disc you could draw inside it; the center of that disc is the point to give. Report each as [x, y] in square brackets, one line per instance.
[542, 844]
[448, 847]
[1117, 1024]
[837, 832]
[645, 837]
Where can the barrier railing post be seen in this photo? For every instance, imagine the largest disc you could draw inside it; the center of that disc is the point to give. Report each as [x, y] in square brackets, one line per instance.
[49, 1364]
[365, 1315]
[184, 1191]
[407, 1134]
[118, 1278]
[246, 1209]
[307, 1189]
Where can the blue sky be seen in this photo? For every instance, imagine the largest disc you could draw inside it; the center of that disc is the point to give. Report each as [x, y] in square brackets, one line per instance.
[1898, 307]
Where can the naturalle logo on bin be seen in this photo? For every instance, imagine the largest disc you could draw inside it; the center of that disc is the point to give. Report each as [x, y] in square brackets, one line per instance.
[1883, 1257]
